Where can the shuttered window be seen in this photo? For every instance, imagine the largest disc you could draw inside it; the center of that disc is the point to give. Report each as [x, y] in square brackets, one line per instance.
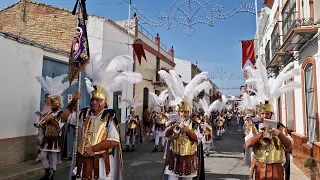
[309, 102]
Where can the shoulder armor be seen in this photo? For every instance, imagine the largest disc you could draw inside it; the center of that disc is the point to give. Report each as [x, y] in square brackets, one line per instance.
[112, 112]
[84, 113]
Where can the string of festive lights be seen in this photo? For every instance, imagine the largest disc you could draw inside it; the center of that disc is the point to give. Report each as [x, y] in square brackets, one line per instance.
[182, 12]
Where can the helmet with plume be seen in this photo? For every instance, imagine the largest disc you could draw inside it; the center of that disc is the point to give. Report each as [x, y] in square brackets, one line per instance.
[55, 87]
[272, 88]
[215, 106]
[184, 95]
[159, 101]
[133, 104]
[104, 78]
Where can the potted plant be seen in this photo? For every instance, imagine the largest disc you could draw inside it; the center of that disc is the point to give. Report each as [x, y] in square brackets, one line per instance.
[311, 163]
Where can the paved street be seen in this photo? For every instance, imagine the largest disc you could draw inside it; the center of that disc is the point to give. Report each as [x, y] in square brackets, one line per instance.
[224, 162]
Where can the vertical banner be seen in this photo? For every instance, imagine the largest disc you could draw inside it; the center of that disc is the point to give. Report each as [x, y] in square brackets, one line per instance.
[247, 52]
[79, 54]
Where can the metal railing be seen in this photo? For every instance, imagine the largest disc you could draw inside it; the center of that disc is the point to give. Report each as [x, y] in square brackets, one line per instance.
[267, 53]
[275, 40]
[290, 18]
[152, 38]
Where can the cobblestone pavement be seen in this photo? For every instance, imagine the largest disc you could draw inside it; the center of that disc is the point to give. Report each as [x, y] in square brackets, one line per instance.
[224, 162]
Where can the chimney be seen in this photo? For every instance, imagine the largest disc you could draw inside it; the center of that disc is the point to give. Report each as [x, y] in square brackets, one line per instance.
[157, 40]
[171, 52]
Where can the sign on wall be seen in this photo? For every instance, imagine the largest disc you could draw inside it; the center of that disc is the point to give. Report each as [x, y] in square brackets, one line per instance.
[119, 101]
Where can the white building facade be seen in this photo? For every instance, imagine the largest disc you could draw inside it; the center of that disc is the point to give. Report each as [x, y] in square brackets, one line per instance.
[289, 32]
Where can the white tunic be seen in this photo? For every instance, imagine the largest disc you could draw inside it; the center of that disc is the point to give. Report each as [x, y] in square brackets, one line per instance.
[113, 135]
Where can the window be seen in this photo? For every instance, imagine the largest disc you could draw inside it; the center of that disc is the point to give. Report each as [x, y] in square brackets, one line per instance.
[157, 92]
[158, 69]
[309, 102]
[54, 68]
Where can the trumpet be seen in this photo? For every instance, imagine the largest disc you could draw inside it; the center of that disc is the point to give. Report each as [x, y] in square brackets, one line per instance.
[43, 120]
[266, 140]
[178, 126]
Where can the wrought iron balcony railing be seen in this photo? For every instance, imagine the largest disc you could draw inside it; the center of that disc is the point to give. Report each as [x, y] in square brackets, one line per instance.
[290, 18]
[267, 53]
[275, 40]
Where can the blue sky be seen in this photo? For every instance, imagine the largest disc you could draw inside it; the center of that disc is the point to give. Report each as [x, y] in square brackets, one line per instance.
[217, 48]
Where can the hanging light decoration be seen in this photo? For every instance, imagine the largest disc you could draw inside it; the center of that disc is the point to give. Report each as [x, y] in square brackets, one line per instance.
[193, 12]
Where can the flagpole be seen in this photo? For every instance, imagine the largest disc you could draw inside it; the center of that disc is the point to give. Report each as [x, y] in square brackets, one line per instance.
[257, 28]
[129, 16]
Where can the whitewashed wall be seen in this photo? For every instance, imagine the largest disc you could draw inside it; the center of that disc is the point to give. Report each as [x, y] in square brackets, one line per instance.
[20, 92]
[313, 51]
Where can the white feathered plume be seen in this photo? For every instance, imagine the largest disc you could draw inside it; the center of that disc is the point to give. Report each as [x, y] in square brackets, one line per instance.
[180, 92]
[134, 103]
[215, 106]
[268, 89]
[55, 86]
[111, 76]
[158, 100]
[248, 102]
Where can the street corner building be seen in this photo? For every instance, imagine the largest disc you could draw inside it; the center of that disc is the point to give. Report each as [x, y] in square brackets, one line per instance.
[288, 31]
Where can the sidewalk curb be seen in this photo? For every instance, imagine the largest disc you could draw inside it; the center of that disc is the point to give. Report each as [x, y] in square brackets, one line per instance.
[26, 170]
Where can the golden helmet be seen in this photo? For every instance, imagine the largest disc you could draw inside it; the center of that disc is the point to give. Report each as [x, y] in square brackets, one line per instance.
[266, 107]
[98, 93]
[183, 106]
[131, 110]
[206, 117]
[55, 100]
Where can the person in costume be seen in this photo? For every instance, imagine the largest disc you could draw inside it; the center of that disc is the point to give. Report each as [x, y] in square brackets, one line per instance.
[51, 144]
[46, 108]
[183, 159]
[220, 126]
[286, 165]
[99, 155]
[159, 118]
[268, 144]
[133, 125]
[205, 125]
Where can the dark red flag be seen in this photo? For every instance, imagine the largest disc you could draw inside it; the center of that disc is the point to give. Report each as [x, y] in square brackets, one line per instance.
[247, 52]
[138, 49]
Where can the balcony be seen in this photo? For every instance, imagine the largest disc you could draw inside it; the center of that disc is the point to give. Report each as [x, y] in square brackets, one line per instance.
[296, 32]
[267, 51]
[275, 40]
[281, 59]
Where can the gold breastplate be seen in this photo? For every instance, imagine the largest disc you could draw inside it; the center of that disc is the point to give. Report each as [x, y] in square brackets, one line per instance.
[52, 130]
[207, 131]
[132, 123]
[94, 130]
[160, 119]
[182, 146]
[270, 154]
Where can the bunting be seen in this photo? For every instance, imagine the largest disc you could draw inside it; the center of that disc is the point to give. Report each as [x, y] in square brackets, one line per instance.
[247, 52]
[79, 54]
[139, 50]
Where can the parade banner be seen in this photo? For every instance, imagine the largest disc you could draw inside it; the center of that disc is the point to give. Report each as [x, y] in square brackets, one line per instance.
[79, 55]
[247, 52]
